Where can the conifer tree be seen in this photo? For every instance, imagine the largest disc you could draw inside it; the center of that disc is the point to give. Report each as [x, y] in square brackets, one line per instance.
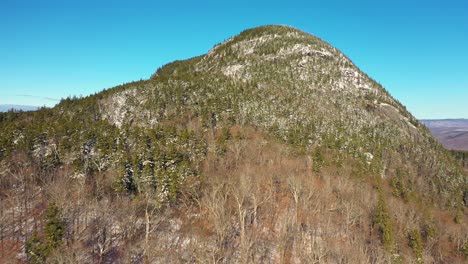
[54, 228]
[35, 249]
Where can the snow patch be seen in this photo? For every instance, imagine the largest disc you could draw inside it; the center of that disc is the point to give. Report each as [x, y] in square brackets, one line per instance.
[369, 157]
[232, 70]
[304, 50]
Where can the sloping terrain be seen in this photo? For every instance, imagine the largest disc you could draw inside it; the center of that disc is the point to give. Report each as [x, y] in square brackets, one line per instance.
[272, 147]
[451, 133]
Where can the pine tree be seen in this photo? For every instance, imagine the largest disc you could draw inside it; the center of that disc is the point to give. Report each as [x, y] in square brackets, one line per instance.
[35, 249]
[128, 180]
[54, 228]
[383, 222]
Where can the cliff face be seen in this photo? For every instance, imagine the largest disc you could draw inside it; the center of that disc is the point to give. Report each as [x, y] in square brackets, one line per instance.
[272, 147]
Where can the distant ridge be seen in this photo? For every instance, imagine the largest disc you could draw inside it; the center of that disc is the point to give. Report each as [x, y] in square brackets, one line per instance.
[451, 133]
[445, 119]
[7, 107]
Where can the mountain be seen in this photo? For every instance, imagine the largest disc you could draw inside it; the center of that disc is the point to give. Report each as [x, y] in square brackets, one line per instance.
[7, 107]
[451, 133]
[272, 147]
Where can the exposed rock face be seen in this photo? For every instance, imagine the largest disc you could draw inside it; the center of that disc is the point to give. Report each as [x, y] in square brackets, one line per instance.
[117, 106]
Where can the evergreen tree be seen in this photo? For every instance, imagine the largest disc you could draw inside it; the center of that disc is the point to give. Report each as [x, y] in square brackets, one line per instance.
[54, 228]
[383, 222]
[128, 180]
[35, 249]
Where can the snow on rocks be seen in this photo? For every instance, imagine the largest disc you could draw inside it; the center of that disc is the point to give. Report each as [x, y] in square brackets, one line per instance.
[117, 107]
[303, 49]
[369, 157]
[354, 77]
[232, 70]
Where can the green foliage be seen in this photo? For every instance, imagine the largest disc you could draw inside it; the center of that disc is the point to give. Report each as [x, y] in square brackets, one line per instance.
[399, 186]
[177, 68]
[318, 159]
[159, 161]
[39, 248]
[127, 182]
[461, 156]
[429, 231]
[35, 249]
[54, 227]
[464, 249]
[221, 142]
[297, 138]
[415, 243]
[383, 222]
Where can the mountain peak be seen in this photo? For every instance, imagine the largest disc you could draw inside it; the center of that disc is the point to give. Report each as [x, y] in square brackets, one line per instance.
[267, 37]
[268, 136]
[251, 46]
[268, 30]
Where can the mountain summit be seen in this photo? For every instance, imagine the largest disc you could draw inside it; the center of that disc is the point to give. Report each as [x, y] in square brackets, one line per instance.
[272, 147]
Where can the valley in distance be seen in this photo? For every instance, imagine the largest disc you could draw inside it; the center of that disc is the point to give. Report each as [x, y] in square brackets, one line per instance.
[451, 133]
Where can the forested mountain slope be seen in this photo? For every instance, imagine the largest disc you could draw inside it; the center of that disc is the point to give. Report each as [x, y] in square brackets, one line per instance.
[272, 147]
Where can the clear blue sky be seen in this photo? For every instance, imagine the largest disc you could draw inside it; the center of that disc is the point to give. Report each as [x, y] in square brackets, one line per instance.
[49, 50]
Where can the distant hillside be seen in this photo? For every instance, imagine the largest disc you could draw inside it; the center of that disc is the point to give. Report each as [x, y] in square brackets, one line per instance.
[7, 107]
[451, 133]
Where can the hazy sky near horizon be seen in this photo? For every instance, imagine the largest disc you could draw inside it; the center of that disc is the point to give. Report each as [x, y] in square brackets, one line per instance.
[418, 50]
